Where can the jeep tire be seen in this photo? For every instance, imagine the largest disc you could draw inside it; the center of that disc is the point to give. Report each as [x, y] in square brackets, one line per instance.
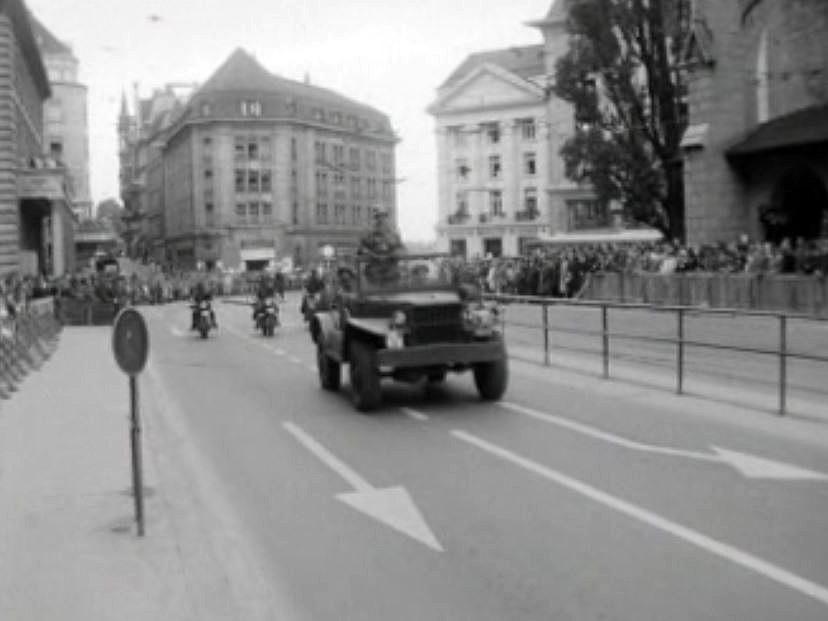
[365, 380]
[491, 379]
[330, 372]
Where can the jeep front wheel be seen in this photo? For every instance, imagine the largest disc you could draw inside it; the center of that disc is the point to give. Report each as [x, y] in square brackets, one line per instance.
[330, 374]
[491, 379]
[365, 380]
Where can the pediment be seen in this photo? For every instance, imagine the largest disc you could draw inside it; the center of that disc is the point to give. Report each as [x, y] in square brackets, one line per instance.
[488, 86]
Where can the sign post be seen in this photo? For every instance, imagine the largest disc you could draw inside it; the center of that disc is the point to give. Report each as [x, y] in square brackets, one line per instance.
[130, 344]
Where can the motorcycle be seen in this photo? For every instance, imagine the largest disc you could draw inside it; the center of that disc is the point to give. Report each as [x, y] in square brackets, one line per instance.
[204, 318]
[267, 317]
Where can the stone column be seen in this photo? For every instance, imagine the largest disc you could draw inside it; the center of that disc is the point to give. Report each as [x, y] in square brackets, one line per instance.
[58, 239]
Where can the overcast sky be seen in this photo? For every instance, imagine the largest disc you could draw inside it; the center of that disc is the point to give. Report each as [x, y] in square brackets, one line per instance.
[390, 54]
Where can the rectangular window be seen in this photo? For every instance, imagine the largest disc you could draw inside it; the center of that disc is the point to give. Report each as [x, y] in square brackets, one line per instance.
[339, 154]
[461, 165]
[209, 214]
[240, 148]
[456, 136]
[339, 179]
[241, 213]
[293, 149]
[586, 214]
[252, 149]
[321, 213]
[529, 164]
[253, 213]
[528, 129]
[251, 108]
[462, 204]
[266, 181]
[355, 189]
[494, 166]
[496, 202]
[356, 219]
[530, 201]
[252, 180]
[353, 158]
[386, 190]
[207, 142]
[339, 214]
[294, 213]
[240, 178]
[371, 160]
[386, 163]
[208, 174]
[492, 132]
[267, 211]
[265, 152]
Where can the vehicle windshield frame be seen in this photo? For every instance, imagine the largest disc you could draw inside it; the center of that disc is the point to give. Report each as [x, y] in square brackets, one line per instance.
[441, 281]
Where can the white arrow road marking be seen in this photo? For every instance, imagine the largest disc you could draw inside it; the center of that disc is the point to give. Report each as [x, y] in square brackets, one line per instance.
[748, 465]
[392, 506]
[713, 546]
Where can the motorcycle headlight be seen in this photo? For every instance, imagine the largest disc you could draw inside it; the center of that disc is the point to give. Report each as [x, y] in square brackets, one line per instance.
[394, 340]
[398, 319]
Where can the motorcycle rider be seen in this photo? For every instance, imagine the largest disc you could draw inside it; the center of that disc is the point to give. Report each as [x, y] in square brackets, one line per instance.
[202, 293]
[265, 289]
[314, 285]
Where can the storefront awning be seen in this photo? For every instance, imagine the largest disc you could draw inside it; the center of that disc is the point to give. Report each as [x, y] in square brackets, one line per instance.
[806, 127]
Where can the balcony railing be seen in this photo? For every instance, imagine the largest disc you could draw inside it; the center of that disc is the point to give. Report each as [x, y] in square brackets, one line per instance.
[526, 216]
[458, 218]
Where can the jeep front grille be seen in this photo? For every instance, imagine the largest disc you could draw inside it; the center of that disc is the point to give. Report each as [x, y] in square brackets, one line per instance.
[435, 324]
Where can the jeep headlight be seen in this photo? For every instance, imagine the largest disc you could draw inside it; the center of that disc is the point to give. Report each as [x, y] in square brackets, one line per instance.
[481, 319]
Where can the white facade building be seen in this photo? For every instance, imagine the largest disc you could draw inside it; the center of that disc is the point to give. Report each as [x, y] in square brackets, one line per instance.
[499, 129]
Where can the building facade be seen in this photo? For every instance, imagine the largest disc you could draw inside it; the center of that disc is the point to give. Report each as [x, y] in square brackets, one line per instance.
[756, 150]
[501, 181]
[256, 168]
[66, 122]
[35, 200]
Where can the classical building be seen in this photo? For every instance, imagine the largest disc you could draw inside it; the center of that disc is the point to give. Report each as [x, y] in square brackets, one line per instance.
[35, 196]
[501, 180]
[756, 150]
[257, 168]
[66, 125]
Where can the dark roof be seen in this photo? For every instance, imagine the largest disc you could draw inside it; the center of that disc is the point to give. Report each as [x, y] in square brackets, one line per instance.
[46, 41]
[242, 72]
[22, 25]
[800, 128]
[526, 61]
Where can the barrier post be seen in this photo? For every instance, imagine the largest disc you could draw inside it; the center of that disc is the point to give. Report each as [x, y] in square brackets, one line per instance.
[680, 352]
[783, 362]
[545, 308]
[605, 339]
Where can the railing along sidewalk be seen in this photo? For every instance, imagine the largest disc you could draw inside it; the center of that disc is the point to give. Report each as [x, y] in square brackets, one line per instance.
[782, 351]
[26, 340]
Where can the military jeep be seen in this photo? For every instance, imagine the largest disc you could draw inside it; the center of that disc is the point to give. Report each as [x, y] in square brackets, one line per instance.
[402, 318]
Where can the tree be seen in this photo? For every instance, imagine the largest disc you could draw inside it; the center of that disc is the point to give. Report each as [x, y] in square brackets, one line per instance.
[620, 74]
[111, 212]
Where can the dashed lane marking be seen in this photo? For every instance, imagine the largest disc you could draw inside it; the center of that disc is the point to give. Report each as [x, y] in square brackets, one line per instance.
[708, 544]
[414, 414]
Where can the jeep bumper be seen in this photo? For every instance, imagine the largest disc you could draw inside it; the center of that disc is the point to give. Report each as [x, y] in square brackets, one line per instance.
[448, 354]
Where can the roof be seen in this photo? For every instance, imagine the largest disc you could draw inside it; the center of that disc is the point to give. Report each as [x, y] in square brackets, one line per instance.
[242, 72]
[557, 14]
[803, 127]
[526, 61]
[22, 25]
[48, 43]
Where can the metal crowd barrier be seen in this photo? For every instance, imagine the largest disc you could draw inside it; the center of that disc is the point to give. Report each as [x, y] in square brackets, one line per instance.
[25, 343]
[681, 343]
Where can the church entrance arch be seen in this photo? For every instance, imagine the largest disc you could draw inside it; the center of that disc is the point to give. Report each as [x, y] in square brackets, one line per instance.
[799, 206]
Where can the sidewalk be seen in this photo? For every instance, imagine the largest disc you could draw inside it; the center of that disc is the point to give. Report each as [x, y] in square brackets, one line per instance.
[68, 544]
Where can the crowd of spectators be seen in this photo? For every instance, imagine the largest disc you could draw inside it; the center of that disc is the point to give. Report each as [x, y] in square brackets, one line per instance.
[562, 271]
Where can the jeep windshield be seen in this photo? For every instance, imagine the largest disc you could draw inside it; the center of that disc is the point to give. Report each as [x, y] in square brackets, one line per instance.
[394, 274]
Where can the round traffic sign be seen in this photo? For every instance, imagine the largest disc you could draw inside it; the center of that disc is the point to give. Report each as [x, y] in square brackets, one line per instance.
[130, 341]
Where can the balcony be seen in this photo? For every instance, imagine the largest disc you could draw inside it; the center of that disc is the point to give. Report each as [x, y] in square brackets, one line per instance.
[527, 215]
[484, 218]
[458, 218]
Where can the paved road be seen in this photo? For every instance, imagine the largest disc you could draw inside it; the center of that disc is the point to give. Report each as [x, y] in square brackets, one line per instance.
[559, 503]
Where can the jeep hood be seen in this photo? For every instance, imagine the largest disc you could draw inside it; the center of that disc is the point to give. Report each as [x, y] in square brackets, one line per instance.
[417, 298]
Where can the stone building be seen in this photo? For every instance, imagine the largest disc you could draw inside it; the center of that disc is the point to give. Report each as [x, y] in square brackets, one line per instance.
[256, 168]
[756, 150]
[66, 123]
[35, 215]
[501, 181]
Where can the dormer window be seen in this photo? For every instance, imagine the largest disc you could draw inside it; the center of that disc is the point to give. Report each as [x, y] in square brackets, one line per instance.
[251, 108]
